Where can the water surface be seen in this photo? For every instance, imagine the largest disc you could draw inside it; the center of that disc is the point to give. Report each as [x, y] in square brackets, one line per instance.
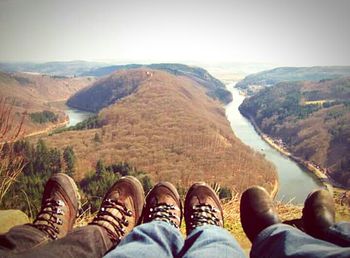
[76, 115]
[295, 182]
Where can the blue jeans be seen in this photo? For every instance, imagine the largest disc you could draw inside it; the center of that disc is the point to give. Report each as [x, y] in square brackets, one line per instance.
[281, 240]
[160, 239]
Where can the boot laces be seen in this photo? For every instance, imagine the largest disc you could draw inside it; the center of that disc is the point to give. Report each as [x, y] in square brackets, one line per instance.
[204, 214]
[47, 220]
[162, 212]
[118, 223]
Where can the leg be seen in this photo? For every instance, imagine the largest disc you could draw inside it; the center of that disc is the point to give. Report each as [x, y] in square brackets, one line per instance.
[21, 238]
[281, 240]
[339, 234]
[56, 218]
[211, 241]
[89, 241]
[156, 238]
[119, 213]
[159, 236]
[204, 218]
[319, 219]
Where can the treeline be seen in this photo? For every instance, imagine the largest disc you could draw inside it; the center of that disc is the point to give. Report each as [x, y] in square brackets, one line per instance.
[270, 103]
[43, 117]
[89, 123]
[96, 184]
[41, 161]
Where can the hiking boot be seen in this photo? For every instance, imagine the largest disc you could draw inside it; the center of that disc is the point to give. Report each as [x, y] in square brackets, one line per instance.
[202, 207]
[257, 211]
[59, 206]
[121, 208]
[163, 204]
[318, 213]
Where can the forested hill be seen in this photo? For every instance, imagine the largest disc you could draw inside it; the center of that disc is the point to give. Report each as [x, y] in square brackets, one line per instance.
[30, 97]
[312, 119]
[268, 78]
[169, 128]
[215, 88]
[107, 90]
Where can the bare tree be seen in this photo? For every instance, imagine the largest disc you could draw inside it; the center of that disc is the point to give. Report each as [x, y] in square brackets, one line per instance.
[11, 165]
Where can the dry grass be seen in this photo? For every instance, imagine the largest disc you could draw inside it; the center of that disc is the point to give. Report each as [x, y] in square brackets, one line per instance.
[233, 223]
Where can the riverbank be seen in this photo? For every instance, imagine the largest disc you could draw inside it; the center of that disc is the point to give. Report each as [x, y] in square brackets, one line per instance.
[311, 168]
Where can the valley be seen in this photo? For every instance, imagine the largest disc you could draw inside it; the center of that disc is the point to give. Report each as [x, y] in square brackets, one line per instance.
[167, 127]
[32, 100]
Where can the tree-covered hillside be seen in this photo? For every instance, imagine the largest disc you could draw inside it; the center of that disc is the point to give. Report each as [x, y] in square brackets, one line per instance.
[215, 88]
[108, 90]
[168, 127]
[312, 119]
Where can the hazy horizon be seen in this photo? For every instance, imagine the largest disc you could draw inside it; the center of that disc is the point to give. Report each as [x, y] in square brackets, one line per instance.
[288, 33]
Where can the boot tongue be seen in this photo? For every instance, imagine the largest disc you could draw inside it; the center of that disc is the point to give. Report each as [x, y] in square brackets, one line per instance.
[45, 216]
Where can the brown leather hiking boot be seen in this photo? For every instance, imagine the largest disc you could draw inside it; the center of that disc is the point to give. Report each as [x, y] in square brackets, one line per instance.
[202, 206]
[318, 213]
[163, 204]
[257, 211]
[59, 208]
[121, 208]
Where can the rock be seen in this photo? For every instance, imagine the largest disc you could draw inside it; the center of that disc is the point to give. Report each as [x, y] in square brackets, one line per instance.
[11, 218]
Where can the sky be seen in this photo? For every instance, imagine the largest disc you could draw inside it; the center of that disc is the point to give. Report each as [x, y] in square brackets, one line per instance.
[285, 32]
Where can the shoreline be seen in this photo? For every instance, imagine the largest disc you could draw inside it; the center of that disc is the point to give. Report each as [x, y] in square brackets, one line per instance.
[310, 168]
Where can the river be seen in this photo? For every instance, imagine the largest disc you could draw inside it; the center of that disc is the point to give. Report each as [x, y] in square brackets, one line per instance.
[295, 183]
[76, 115]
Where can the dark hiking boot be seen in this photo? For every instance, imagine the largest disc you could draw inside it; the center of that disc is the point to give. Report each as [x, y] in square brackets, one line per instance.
[59, 207]
[257, 211]
[163, 204]
[121, 208]
[202, 207]
[318, 213]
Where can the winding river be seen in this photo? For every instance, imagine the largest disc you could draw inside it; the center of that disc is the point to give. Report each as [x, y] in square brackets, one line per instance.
[295, 183]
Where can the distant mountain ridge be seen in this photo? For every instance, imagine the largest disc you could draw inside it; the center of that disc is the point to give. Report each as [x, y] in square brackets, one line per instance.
[282, 74]
[215, 88]
[70, 68]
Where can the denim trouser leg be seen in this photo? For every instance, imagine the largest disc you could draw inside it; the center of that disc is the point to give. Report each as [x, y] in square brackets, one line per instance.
[155, 239]
[160, 239]
[339, 234]
[281, 240]
[211, 241]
